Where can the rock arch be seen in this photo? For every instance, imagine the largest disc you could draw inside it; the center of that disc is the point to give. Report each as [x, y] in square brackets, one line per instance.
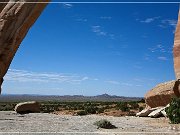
[16, 18]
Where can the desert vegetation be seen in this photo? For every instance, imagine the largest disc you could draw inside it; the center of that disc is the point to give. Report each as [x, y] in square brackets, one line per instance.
[104, 124]
[173, 111]
[84, 108]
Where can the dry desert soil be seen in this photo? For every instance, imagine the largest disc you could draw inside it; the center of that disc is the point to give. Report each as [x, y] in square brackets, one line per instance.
[12, 123]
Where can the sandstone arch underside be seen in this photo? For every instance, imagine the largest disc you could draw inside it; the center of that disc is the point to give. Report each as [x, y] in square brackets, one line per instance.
[16, 18]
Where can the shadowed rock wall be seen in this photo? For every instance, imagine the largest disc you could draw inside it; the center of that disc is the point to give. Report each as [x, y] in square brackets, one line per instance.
[16, 18]
[177, 49]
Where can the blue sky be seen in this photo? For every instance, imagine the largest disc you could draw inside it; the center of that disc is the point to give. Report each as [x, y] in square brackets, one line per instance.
[91, 49]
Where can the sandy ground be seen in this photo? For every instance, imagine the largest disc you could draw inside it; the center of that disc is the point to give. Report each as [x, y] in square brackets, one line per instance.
[44, 123]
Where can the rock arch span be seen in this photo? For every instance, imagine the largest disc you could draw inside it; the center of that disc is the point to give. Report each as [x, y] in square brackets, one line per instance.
[16, 18]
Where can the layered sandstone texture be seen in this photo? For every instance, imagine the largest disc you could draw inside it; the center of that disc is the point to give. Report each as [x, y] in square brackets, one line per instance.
[177, 50]
[16, 18]
[161, 95]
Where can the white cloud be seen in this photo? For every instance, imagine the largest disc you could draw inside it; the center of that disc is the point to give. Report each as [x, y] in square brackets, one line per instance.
[85, 78]
[28, 76]
[127, 84]
[81, 20]
[112, 82]
[160, 49]
[162, 58]
[106, 17]
[98, 30]
[67, 5]
[149, 20]
[169, 22]
[147, 57]
[138, 85]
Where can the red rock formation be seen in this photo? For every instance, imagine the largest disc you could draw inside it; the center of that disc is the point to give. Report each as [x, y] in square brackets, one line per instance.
[161, 95]
[177, 49]
[16, 18]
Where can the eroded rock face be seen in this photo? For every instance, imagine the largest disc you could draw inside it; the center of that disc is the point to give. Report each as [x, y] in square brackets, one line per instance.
[16, 18]
[176, 49]
[161, 95]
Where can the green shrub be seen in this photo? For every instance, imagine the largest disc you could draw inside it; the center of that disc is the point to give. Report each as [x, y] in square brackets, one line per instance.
[82, 112]
[100, 110]
[142, 100]
[123, 106]
[173, 111]
[91, 110]
[104, 124]
[141, 108]
[134, 105]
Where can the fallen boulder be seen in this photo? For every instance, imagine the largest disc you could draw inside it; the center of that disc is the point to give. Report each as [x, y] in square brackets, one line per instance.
[27, 107]
[153, 112]
[157, 113]
[145, 112]
[162, 94]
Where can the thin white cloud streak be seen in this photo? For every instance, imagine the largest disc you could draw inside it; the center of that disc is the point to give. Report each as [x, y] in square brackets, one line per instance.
[149, 20]
[98, 30]
[112, 82]
[162, 58]
[67, 5]
[81, 20]
[163, 23]
[160, 49]
[122, 83]
[28, 76]
[168, 22]
[106, 17]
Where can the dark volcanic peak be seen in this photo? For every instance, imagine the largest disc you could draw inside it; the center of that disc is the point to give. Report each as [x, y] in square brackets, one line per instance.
[104, 95]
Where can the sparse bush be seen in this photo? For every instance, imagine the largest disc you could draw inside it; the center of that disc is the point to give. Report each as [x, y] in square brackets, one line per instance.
[6, 107]
[131, 113]
[142, 100]
[134, 105]
[104, 124]
[140, 108]
[91, 110]
[173, 111]
[100, 110]
[82, 112]
[123, 106]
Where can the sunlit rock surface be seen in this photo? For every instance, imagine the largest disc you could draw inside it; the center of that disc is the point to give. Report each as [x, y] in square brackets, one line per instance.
[16, 18]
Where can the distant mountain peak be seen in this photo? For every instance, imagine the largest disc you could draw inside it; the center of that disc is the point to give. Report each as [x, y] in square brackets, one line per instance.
[104, 95]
